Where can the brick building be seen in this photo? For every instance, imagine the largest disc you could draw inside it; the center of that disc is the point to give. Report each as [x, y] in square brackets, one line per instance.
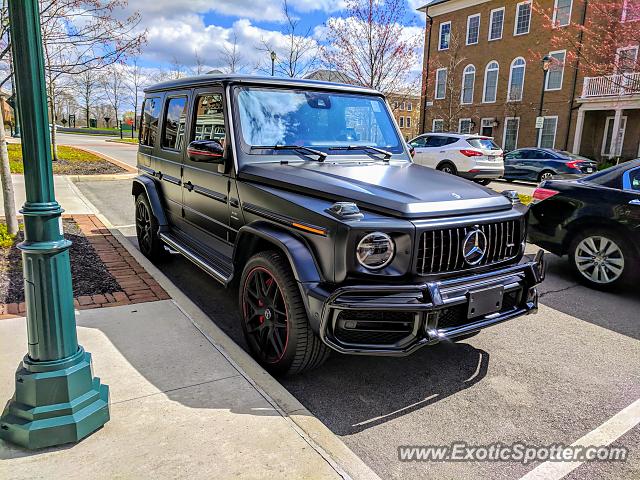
[406, 110]
[481, 75]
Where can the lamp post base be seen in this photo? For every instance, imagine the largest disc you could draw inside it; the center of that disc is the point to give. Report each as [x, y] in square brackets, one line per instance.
[55, 402]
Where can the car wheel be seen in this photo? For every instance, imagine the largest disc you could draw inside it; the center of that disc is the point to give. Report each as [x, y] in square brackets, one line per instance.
[147, 230]
[545, 175]
[274, 319]
[447, 167]
[601, 259]
[483, 181]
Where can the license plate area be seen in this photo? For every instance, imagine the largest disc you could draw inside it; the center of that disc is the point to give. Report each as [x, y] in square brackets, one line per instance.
[485, 301]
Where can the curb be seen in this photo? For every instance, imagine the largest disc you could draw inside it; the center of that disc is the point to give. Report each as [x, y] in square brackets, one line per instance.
[109, 159]
[317, 435]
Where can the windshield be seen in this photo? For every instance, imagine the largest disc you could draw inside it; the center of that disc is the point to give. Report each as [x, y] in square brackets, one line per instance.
[321, 120]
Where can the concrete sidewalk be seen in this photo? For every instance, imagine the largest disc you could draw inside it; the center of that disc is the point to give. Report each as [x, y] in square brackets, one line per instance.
[179, 407]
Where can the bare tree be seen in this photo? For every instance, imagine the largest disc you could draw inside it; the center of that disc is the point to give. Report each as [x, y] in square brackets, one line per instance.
[299, 56]
[200, 66]
[135, 83]
[113, 85]
[177, 70]
[232, 61]
[86, 86]
[371, 45]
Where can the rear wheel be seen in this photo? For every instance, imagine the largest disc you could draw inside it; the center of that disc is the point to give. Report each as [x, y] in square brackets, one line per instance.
[147, 230]
[447, 167]
[274, 319]
[545, 175]
[600, 258]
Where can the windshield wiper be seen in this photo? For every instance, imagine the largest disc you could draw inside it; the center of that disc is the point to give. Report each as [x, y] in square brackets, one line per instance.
[387, 155]
[297, 148]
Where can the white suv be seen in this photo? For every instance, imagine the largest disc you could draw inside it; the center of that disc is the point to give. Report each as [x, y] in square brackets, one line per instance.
[471, 156]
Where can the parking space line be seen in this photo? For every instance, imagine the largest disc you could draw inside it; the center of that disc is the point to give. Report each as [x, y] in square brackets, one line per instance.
[605, 434]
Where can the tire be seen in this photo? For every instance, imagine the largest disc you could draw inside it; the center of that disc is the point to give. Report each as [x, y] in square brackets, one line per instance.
[274, 318]
[545, 175]
[595, 269]
[447, 167]
[147, 230]
[483, 181]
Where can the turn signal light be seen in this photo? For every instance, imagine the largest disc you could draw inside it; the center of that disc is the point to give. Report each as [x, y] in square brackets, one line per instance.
[541, 194]
[471, 153]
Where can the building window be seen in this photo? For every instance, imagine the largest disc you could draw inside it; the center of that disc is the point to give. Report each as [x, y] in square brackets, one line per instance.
[468, 81]
[496, 23]
[464, 126]
[626, 58]
[445, 35]
[547, 137]
[631, 10]
[607, 141]
[401, 121]
[473, 29]
[407, 122]
[490, 82]
[556, 70]
[523, 18]
[402, 106]
[510, 138]
[562, 13]
[441, 83]
[516, 80]
[437, 125]
[410, 106]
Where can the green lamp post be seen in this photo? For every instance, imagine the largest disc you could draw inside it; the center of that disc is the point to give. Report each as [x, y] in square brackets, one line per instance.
[57, 400]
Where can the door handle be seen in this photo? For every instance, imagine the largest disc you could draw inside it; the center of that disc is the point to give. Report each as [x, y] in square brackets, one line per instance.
[188, 186]
[634, 202]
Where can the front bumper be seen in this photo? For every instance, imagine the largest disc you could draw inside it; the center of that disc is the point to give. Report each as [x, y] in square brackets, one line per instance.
[398, 319]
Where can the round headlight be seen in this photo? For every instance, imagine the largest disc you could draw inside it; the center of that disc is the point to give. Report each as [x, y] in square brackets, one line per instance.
[375, 250]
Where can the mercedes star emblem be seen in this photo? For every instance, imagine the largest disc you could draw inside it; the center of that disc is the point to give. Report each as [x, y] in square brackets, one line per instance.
[474, 246]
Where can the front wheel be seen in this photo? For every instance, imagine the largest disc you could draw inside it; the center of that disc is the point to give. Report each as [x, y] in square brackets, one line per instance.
[274, 319]
[601, 259]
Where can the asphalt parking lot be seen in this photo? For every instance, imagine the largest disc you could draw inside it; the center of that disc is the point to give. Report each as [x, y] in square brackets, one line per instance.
[542, 379]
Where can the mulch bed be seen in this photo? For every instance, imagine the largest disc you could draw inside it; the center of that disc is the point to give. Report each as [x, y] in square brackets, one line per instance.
[103, 272]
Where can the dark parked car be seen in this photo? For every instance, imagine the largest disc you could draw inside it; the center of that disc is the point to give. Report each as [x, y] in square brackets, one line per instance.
[304, 196]
[538, 164]
[595, 221]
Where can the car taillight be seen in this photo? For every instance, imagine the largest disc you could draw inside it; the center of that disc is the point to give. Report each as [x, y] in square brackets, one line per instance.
[540, 194]
[471, 153]
[574, 163]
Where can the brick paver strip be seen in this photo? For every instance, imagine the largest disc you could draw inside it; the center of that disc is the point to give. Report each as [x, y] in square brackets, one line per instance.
[136, 284]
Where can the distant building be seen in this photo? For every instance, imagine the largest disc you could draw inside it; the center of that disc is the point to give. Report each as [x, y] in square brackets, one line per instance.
[496, 90]
[405, 108]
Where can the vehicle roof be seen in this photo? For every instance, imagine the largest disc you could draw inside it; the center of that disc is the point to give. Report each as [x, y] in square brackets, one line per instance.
[224, 79]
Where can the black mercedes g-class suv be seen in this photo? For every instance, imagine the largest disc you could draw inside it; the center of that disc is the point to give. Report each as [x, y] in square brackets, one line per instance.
[304, 195]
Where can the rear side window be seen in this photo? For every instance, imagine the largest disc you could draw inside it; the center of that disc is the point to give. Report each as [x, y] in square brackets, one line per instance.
[485, 143]
[436, 141]
[175, 120]
[149, 122]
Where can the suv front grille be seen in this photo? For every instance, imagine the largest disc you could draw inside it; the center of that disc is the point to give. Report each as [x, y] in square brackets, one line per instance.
[440, 251]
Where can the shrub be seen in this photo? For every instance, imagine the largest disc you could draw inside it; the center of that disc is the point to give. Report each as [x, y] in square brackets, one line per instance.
[6, 239]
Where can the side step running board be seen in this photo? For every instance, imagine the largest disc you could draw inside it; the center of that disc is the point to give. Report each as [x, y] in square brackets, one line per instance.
[196, 258]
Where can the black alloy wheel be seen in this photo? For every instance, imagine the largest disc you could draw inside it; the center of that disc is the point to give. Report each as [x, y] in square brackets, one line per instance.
[147, 230]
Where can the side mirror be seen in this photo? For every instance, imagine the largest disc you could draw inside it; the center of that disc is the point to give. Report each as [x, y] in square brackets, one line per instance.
[209, 151]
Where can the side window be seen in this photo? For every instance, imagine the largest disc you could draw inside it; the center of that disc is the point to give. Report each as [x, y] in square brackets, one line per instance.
[418, 142]
[631, 180]
[209, 118]
[432, 141]
[149, 122]
[450, 140]
[175, 119]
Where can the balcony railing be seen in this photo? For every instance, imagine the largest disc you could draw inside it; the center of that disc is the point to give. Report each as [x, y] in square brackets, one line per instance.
[612, 85]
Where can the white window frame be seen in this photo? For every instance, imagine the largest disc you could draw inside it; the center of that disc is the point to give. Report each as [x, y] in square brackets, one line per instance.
[555, 13]
[440, 36]
[555, 132]
[515, 23]
[401, 122]
[491, 24]
[409, 106]
[460, 126]
[468, 24]
[489, 121]
[624, 12]
[546, 81]
[622, 49]
[608, 120]
[473, 85]
[504, 133]
[433, 125]
[444, 93]
[524, 74]
[407, 122]
[484, 85]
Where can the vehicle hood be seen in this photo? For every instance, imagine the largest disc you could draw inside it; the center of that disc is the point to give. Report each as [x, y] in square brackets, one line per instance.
[400, 189]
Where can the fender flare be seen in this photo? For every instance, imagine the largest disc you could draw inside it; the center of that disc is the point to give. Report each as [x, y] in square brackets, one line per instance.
[300, 257]
[145, 183]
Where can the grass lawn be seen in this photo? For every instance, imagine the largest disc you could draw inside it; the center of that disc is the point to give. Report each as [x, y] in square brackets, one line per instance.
[71, 162]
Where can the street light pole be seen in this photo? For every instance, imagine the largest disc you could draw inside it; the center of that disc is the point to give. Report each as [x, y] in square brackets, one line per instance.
[273, 63]
[546, 61]
[57, 400]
